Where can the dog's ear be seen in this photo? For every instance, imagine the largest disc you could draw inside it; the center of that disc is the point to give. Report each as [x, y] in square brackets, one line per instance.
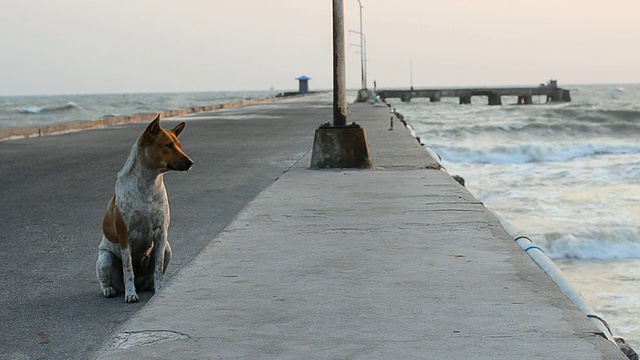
[177, 130]
[153, 129]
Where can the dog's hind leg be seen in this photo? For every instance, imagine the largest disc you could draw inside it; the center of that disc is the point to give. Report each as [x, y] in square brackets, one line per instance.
[109, 272]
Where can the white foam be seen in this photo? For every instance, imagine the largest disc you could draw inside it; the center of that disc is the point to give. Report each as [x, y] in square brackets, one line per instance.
[30, 110]
[530, 153]
[615, 246]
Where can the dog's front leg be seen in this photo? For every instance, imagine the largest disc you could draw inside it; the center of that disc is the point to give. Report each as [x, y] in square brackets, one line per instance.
[130, 294]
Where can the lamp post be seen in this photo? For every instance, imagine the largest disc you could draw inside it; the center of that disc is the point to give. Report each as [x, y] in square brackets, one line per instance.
[363, 56]
[339, 83]
[339, 145]
[411, 72]
[362, 51]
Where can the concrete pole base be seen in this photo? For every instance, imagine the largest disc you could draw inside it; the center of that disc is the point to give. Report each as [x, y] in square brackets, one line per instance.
[340, 147]
[363, 95]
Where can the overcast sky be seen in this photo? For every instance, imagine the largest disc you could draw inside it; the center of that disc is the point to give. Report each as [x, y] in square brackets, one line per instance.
[119, 46]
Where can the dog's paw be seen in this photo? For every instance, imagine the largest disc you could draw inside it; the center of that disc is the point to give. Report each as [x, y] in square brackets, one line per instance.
[109, 292]
[131, 298]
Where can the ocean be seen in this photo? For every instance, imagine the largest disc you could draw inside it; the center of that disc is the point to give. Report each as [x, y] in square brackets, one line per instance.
[565, 174]
[32, 111]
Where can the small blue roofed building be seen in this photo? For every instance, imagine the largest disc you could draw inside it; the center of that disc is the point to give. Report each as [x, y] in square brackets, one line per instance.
[304, 84]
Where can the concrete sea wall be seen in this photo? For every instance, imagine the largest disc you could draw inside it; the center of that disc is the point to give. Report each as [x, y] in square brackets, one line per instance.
[72, 126]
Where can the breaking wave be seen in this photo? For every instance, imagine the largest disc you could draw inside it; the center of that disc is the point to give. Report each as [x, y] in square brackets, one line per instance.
[48, 109]
[623, 244]
[530, 153]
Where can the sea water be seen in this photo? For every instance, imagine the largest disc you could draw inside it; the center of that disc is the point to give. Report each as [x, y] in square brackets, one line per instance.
[33, 111]
[565, 174]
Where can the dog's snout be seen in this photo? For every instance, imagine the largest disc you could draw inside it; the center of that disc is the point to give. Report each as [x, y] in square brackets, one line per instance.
[182, 165]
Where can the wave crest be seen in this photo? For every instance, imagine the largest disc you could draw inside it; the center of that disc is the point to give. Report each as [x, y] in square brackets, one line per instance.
[47, 109]
[612, 246]
[530, 153]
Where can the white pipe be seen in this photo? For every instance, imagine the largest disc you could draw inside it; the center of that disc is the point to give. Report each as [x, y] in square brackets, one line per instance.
[553, 271]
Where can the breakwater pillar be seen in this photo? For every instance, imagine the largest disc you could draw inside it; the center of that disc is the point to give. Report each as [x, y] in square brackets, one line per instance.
[494, 99]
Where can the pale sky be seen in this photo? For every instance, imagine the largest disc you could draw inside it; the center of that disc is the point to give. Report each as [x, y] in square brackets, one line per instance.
[121, 46]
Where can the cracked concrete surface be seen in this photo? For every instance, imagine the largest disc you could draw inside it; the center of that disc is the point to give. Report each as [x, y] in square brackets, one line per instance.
[127, 339]
[366, 264]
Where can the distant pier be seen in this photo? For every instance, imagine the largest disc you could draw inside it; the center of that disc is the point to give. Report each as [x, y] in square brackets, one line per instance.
[525, 94]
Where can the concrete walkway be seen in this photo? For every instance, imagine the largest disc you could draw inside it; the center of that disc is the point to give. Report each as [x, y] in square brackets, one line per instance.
[399, 262]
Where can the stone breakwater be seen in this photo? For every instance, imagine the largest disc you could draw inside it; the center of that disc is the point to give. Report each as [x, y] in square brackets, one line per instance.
[73, 126]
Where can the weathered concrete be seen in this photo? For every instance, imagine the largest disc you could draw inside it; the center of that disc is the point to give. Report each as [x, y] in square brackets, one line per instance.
[340, 147]
[399, 262]
[363, 95]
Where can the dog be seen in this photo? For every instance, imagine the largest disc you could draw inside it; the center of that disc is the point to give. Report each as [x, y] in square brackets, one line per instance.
[134, 251]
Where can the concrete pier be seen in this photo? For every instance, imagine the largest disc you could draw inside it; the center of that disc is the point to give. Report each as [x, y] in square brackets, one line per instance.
[395, 262]
[524, 94]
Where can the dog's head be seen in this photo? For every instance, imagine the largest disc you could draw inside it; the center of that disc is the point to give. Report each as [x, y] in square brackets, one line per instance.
[162, 149]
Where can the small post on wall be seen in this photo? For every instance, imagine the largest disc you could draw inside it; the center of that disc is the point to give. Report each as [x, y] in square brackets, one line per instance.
[339, 145]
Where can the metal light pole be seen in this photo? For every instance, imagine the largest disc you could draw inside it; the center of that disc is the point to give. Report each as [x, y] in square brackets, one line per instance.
[363, 55]
[339, 83]
[339, 145]
[362, 51]
[411, 72]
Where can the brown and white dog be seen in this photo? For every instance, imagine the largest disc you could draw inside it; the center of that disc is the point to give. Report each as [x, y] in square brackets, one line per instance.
[134, 251]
